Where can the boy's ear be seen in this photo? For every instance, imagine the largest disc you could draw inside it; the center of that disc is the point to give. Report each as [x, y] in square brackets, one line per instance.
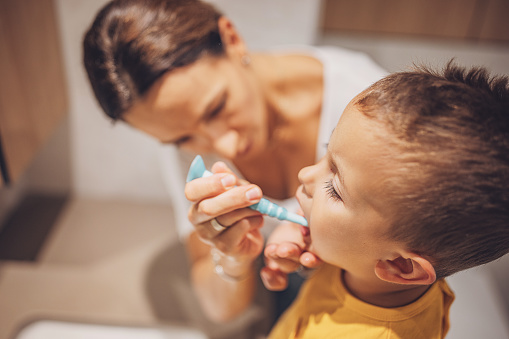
[230, 38]
[408, 269]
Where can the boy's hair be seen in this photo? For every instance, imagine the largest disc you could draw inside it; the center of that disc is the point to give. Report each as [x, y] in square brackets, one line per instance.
[450, 185]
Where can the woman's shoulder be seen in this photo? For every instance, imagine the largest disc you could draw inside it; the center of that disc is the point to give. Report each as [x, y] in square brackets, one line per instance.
[323, 53]
[336, 61]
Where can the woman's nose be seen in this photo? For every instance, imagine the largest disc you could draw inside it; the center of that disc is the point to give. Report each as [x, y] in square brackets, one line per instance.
[219, 140]
[225, 144]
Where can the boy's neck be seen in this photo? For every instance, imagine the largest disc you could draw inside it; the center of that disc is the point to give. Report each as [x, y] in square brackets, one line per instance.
[382, 293]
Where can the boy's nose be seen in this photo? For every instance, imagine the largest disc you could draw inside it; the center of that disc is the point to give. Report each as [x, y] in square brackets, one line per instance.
[306, 178]
[309, 176]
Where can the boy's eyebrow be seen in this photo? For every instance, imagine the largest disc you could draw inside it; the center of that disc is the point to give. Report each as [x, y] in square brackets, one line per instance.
[335, 168]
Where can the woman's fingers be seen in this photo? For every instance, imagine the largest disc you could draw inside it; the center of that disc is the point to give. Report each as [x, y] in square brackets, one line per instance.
[220, 167]
[233, 199]
[243, 239]
[235, 234]
[210, 186]
[202, 188]
[215, 227]
[219, 212]
[238, 197]
[219, 194]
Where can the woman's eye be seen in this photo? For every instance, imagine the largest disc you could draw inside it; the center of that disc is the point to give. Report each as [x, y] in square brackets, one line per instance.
[331, 191]
[182, 141]
[215, 112]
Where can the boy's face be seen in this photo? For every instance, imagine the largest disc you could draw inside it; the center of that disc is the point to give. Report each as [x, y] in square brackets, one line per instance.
[343, 198]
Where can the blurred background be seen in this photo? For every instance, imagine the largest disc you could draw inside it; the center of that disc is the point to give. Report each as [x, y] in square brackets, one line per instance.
[86, 231]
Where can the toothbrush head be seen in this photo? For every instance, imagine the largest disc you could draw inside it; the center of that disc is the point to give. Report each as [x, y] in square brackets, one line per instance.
[197, 169]
[297, 219]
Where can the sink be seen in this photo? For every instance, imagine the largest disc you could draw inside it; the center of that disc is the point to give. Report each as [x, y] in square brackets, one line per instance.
[48, 329]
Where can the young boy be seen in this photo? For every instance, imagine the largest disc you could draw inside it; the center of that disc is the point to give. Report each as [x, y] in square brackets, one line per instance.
[414, 188]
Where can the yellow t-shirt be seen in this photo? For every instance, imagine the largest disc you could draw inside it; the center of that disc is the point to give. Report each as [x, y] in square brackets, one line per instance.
[324, 309]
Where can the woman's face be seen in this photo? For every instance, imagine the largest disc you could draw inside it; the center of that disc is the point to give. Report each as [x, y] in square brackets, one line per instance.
[211, 106]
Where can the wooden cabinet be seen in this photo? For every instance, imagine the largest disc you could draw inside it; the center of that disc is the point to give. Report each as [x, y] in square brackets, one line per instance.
[463, 19]
[33, 94]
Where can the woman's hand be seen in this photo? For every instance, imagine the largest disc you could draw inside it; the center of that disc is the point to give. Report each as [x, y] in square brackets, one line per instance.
[286, 253]
[221, 196]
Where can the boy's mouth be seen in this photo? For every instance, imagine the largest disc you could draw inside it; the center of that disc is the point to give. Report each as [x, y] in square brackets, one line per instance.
[301, 195]
[304, 230]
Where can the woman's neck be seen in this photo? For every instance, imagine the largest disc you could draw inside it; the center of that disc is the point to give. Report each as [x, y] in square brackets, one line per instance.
[292, 85]
[293, 98]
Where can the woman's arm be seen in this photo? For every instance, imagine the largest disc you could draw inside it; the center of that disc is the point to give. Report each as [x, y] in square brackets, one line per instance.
[221, 299]
[222, 272]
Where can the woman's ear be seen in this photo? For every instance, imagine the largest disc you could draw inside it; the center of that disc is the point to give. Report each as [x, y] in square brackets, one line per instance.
[230, 38]
[408, 269]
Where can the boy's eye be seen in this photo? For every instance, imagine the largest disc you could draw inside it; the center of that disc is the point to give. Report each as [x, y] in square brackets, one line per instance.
[331, 191]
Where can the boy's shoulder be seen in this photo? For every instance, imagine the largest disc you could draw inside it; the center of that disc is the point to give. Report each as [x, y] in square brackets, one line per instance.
[325, 307]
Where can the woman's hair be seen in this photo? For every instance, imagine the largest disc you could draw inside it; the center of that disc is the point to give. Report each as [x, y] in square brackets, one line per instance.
[132, 43]
[450, 185]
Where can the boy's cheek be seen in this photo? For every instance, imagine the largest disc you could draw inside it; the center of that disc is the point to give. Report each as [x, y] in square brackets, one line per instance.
[312, 249]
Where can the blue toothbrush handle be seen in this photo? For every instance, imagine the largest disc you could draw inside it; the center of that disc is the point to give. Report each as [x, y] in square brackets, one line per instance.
[269, 208]
[264, 206]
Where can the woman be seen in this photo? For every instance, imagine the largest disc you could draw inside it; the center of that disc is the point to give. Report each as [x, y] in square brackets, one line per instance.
[179, 71]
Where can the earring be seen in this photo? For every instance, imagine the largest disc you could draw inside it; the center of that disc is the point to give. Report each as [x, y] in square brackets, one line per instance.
[245, 60]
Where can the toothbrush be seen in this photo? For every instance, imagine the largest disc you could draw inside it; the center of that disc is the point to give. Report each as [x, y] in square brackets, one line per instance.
[264, 206]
